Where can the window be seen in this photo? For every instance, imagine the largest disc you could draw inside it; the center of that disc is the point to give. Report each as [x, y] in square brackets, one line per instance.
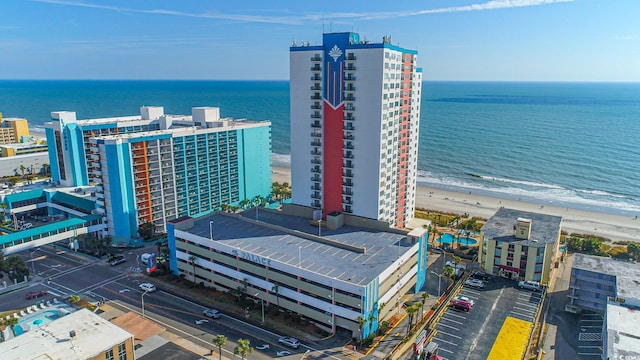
[122, 351]
[108, 355]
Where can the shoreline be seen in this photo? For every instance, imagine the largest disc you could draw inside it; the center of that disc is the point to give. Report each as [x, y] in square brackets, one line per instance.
[614, 227]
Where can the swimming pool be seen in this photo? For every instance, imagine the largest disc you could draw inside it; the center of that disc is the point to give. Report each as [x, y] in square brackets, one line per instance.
[37, 319]
[449, 239]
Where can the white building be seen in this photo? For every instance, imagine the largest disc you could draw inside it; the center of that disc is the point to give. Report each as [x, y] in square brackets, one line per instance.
[355, 113]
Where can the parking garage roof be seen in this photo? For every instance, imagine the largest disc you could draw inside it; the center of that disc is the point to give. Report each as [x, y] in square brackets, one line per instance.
[334, 260]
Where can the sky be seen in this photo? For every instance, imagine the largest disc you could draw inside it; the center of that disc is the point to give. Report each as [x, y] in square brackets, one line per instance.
[461, 40]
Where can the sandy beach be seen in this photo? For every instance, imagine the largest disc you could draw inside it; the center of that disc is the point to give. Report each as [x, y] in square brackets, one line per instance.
[614, 227]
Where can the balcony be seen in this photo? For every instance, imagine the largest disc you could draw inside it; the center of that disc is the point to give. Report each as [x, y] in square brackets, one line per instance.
[316, 169]
[349, 127]
[351, 56]
[316, 116]
[316, 178]
[316, 134]
[316, 96]
[349, 146]
[348, 137]
[316, 187]
[316, 143]
[316, 161]
[347, 192]
[315, 196]
[348, 183]
[316, 152]
[315, 106]
[349, 118]
[350, 87]
[349, 107]
[347, 201]
[350, 77]
[316, 67]
[347, 173]
[316, 77]
[316, 87]
[316, 58]
[316, 124]
[349, 97]
[350, 67]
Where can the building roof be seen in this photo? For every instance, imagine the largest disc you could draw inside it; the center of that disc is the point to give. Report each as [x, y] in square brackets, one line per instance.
[23, 195]
[93, 335]
[545, 229]
[45, 230]
[80, 203]
[627, 273]
[623, 333]
[326, 259]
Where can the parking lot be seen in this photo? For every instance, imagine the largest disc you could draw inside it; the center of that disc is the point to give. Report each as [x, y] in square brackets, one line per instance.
[590, 335]
[470, 335]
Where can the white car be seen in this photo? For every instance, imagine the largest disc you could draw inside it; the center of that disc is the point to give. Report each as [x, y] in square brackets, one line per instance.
[289, 341]
[147, 287]
[530, 285]
[212, 313]
[478, 284]
[464, 298]
[453, 265]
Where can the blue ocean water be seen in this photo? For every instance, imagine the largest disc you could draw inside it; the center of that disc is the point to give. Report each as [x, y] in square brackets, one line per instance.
[567, 144]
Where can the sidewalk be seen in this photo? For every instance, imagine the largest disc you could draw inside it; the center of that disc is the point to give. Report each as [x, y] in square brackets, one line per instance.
[559, 283]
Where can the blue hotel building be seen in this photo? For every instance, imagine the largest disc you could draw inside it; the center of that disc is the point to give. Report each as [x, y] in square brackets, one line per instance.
[154, 167]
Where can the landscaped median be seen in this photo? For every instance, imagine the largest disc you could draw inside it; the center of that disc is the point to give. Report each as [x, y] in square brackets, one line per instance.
[512, 339]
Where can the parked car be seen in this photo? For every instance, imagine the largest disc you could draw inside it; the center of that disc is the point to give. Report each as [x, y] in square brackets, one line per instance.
[149, 287]
[35, 294]
[464, 298]
[212, 313]
[478, 284]
[117, 261]
[530, 285]
[461, 305]
[289, 341]
[458, 266]
[480, 275]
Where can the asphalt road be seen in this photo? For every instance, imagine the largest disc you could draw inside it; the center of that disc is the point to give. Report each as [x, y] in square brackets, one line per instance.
[75, 274]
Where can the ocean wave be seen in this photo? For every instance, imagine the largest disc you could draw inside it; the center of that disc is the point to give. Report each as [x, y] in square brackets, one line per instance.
[595, 200]
[281, 160]
[520, 182]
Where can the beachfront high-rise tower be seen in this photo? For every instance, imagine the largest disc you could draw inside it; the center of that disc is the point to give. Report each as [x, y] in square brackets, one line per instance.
[355, 116]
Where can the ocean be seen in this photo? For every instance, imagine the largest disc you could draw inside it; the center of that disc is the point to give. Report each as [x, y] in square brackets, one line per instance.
[572, 145]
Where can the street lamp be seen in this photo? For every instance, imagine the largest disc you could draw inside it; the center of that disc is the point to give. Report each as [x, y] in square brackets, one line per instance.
[211, 230]
[143, 294]
[439, 278]
[33, 265]
[261, 303]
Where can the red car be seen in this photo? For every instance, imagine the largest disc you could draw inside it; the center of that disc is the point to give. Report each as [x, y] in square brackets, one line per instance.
[461, 305]
[35, 294]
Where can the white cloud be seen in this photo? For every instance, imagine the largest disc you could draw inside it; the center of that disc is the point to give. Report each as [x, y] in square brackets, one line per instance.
[304, 19]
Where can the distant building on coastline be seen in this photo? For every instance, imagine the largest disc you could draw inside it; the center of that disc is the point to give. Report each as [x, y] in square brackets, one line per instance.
[13, 130]
[520, 245]
[155, 167]
[355, 112]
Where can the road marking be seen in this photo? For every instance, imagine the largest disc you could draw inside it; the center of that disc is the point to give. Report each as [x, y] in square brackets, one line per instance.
[53, 293]
[526, 304]
[103, 283]
[457, 322]
[445, 341]
[591, 320]
[449, 326]
[449, 334]
[474, 343]
[521, 314]
[455, 315]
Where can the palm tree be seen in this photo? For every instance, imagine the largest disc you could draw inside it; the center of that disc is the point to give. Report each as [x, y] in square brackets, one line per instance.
[361, 323]
[46, 168]
[276, 289]
[245, 203]
[456, 259]
[258, 200]
[411, 310]
[220, 341]
[22, 169]
[193, 259]
[245, 284]
[424, 296]
[448, 272]
[243, 348]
